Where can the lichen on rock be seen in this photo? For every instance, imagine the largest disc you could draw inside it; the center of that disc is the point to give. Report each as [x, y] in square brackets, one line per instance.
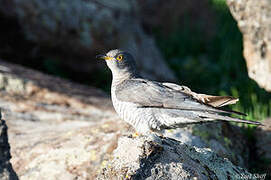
[142, 158]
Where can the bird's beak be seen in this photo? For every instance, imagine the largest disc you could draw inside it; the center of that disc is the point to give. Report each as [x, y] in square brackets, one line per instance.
[100, 56]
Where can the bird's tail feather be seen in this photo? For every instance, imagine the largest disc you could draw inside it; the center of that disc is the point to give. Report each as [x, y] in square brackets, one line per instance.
[175, 118]
[227, 111]
[213, 110]
[226, 118]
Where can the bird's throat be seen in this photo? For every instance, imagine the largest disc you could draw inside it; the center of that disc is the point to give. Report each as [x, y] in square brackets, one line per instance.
[120, 77]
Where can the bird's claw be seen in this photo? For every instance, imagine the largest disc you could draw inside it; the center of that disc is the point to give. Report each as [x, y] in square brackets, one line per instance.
[135, 135]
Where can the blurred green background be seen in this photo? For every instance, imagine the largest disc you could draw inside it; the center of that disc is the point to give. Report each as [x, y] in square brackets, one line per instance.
[214, 65]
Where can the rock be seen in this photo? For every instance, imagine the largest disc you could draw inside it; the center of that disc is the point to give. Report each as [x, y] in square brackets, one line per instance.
[61, 129]
[141, 158]
[57, 129]
[6, 170]
[169, 15]
[224, 139]
[76, 31]
[253, 18]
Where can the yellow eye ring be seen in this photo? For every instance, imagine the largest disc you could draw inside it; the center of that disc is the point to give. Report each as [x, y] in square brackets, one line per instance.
[119, 57]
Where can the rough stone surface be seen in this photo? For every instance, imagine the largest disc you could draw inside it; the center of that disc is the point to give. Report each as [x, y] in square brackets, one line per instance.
[172, 14]
[253, 18]
[59, 129]
[226, 140]
[6, 170]
[141, 158]
[81, 29]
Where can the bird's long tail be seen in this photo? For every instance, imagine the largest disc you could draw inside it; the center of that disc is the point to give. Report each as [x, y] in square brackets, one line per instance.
[210, 116]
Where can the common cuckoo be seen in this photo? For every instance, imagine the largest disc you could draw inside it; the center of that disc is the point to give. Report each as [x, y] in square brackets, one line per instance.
[151, 106]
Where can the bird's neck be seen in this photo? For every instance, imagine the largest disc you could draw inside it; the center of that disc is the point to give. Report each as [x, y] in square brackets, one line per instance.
[118, 78]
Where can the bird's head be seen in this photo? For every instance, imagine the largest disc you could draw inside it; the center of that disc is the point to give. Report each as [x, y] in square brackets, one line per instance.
[121, 63]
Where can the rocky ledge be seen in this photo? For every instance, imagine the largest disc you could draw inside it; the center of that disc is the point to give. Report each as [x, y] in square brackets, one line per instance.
[142, 158]
[63, 130]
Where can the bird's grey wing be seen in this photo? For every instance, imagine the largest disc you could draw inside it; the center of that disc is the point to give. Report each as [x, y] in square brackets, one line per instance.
[146, 93]
[154, 94]
[141, 92]
[215, 101]
[174, 107]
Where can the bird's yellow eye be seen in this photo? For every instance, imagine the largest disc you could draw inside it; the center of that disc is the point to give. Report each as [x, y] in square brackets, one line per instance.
[119, 57]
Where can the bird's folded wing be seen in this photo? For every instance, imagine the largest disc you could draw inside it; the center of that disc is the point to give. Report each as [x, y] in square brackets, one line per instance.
[215, 101]
[153, 94]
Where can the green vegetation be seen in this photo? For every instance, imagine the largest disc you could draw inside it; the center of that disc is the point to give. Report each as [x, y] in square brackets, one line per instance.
[215, 64]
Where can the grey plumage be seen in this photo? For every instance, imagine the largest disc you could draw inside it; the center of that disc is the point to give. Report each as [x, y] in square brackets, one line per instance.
[154, 106]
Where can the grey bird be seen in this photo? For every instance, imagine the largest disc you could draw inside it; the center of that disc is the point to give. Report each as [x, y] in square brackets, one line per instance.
[151, 106]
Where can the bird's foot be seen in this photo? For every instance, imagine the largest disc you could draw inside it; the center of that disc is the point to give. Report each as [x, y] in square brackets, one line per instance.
[154, 137]
[136, 134]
